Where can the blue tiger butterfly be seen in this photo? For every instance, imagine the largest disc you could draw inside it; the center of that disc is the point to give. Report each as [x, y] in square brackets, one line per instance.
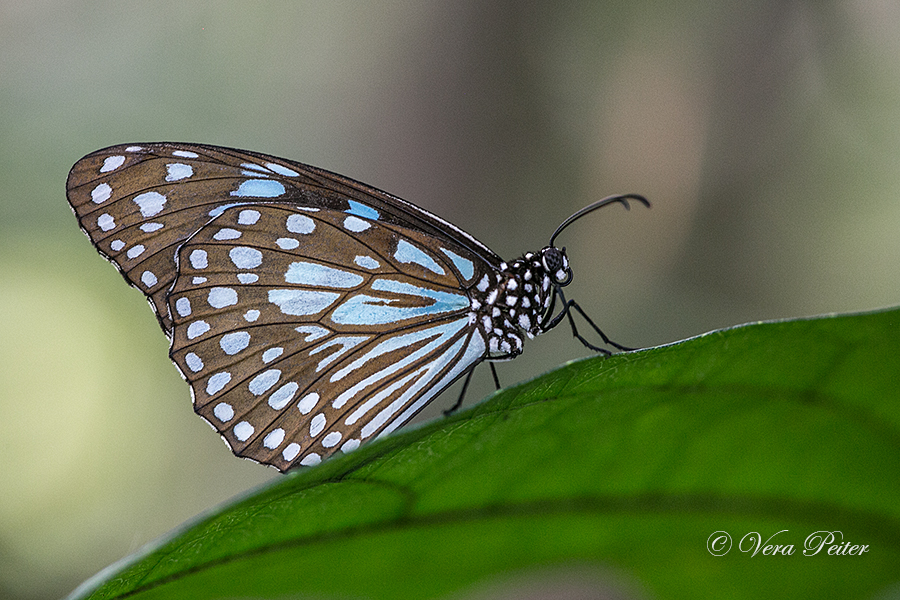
[309, 312]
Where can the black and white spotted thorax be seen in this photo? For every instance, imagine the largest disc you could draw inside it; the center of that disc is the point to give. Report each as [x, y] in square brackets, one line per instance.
[515, 300]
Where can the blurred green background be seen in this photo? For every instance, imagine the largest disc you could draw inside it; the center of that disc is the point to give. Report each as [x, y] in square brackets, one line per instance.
[767, 135]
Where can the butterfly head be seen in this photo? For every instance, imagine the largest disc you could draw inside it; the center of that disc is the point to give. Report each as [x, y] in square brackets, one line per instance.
[556, 264]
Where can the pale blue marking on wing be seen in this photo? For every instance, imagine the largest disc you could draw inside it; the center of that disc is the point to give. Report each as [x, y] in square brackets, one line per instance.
[346, 344]
[463, 265]
[432, 370]
[473, 353]
[439, 335]
[363, 309]
[282, 170]
[316, 275]
[379, 397]
[259, 188]
[220, 209]
[302, 302]
[367, 262]
[254, 166]
[407, 253]
[362, 210]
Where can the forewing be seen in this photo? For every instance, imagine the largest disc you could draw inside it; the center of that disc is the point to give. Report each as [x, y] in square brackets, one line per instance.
[138, 203]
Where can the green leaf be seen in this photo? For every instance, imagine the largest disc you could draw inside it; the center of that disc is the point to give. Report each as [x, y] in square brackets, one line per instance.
[624, 466]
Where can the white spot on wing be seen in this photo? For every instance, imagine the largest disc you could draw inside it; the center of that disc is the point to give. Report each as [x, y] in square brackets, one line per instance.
[199, 259]
[220, 297]
[255, 167]
[251, 315]
[291, 452]
[234, 342]
[316, 275]
[283, 395]
[150, 203]
[194, 362]
[259, 188]
[311, 459]
[331, 440]
[196, 329]
[218, 381]
[287, 243]
[245, 258]
[274, 439]
[117, 245]
[148, 279]
[227, 233]
[362, 210]
[317, 425]
[183, 306]
[243, 431]
[264, 381]
[282, 170]
[135, 251]
[248, 217]
[106, 222]
[151, 227]
[176, 171]
[349, 446]
[185, 154]
[313, 332]
[355, 224]
[463, 265]
[366, 262]
[300, 224]
[111, 163]
[223, 412]
[101, 193]
[271, 354]
[308, 402]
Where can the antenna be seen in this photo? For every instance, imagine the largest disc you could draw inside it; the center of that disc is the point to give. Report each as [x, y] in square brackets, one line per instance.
[622, 198]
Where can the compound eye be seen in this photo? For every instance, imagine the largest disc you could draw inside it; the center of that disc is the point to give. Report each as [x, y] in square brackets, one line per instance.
[557, 265]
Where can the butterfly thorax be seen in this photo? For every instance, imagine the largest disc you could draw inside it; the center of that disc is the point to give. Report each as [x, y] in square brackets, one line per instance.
[515, 299]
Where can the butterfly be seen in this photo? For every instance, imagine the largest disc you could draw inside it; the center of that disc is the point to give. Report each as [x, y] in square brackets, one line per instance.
[309, 312]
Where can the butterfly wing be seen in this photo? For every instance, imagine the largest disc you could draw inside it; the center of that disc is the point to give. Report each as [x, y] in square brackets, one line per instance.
[308, 311]
[307, 331]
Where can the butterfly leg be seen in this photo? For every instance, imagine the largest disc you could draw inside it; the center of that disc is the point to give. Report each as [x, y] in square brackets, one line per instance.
[568, 306]
[494, 373]
[462, 393]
